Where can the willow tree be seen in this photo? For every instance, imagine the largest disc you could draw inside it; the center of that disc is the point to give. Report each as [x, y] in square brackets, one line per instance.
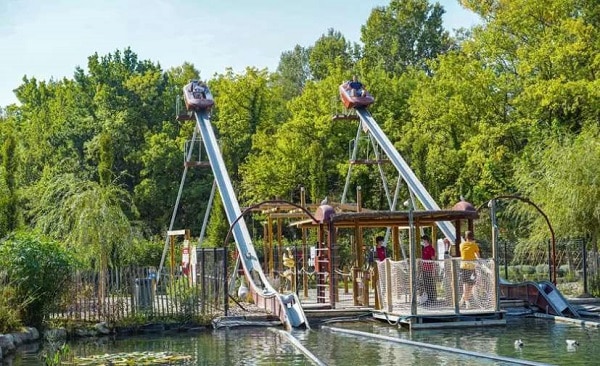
[88, 217]
[562, 177]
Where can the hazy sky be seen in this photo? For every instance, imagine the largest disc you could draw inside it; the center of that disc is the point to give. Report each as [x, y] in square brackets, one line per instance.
[49, 38]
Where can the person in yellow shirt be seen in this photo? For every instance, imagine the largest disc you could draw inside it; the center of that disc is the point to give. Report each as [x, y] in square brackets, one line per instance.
[469, 253]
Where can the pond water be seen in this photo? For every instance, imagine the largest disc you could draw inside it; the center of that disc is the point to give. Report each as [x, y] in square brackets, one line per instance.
[544, 341]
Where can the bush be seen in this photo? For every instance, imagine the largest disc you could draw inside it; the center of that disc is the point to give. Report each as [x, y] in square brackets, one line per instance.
[186, 297]
[39, 270]
[514, 274]
[527, 269]
[142, 253]
[542, 269]
[10, 319]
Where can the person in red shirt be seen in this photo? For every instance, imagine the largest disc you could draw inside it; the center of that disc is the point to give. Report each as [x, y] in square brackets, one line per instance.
[379, 248]
[428, 277]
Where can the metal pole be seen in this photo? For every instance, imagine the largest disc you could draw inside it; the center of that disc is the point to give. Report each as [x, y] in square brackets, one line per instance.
[584, 256]
[225, 292]
[505, 261]
[413, 261]
[492, 205]
[550, 260]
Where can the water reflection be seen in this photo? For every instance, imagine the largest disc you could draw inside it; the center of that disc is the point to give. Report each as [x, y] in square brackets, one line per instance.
[544, 341]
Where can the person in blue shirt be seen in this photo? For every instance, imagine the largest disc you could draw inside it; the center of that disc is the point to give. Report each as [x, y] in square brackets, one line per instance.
[199, 90]
[356, 87]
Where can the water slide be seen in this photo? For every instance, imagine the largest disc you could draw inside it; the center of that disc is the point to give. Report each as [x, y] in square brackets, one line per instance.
[413, 183]
[286, 306]
[542, 294]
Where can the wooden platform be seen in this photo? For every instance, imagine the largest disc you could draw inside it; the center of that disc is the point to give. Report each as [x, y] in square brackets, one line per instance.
[433, 319]
[196, 164]
[428, 318]
[369, 161]
[328, 313]
[185, 117]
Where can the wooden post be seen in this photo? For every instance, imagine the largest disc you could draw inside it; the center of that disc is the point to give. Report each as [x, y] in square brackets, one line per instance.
[375, 284]
[172, 244]
[366, 283]
[270, 246]
[279, 247]
[331, 250]
[455, 286]
[396, 243]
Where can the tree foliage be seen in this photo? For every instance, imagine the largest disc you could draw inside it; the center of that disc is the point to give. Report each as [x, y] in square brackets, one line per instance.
[562, 177]
[90, 218]
[403, 34]
[294, 71]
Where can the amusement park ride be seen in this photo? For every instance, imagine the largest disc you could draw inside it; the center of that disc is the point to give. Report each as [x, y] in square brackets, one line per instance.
[390, 289]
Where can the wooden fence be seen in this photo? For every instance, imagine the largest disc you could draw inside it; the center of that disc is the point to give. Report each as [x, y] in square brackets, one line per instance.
[138, 293]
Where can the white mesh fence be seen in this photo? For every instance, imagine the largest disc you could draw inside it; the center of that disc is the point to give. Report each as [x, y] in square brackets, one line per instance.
[439, 285]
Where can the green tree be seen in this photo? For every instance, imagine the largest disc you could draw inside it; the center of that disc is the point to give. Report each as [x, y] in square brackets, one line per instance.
[461, 140]
[304, 151]
[404, 33]
[10, 167]
[245, 105]
[330, 51]
[294, 71]
[551, 49]
[562, 177]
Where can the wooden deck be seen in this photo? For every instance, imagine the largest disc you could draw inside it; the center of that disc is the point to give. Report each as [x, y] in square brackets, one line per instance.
[442, 318]
[438, 315]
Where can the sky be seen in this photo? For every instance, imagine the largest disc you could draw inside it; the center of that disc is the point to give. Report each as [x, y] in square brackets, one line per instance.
[48, 39]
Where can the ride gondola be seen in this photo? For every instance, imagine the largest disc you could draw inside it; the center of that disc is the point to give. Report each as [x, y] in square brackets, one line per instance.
[197, 96]
[354, 95]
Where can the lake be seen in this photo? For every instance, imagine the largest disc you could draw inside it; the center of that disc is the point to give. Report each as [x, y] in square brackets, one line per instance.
[544, 341]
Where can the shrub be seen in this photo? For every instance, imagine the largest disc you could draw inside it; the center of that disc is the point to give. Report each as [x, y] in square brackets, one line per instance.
[527, 269]
[10, 319]
[39, 270]
[542, 269]
[142, 253]
[186, 297]
[594, 287]
[514, 274]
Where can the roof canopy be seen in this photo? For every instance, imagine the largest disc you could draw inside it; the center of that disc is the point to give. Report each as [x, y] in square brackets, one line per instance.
[392, 218]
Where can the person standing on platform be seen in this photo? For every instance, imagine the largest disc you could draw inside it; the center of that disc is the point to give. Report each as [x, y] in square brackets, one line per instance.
[428, 275]
[469, 253]
[380, 250]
